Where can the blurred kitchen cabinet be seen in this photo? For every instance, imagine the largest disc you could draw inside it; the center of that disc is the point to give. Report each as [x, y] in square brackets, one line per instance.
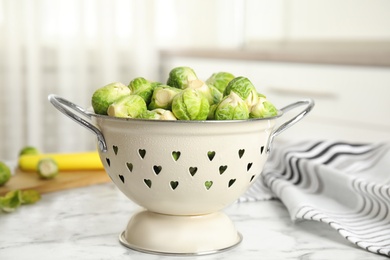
[352, 102]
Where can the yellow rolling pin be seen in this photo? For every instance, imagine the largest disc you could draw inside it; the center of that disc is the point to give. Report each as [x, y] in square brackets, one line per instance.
[66, 161]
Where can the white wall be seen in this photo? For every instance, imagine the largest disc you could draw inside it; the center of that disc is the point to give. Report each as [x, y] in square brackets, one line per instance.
[365, 20]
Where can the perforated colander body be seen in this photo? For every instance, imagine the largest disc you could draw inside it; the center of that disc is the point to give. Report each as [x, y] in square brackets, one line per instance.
[184, 167]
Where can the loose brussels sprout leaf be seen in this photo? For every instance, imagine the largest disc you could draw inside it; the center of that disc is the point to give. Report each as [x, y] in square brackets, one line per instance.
[47, 168]
[142, 87]
[158, 114]
[220, 80]
[30, 196]
[190, 105]
[130, 106]
[103, 97]
[262, 109]
[29, 150]
[211, 115]
[162, 97]
[5, 173]
[244, 88]
[11, 201]
[179, 77]
[232, 107]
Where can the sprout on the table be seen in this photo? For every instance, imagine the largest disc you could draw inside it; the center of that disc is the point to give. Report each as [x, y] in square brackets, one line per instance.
[5, 173]
[29, 150]
[30, 196]
[190, 105]
[47, 168]
[11, 201]
[130, 106]
[180, 77]
[103, 97]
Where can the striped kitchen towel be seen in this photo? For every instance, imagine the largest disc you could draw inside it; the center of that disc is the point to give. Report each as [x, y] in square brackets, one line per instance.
[342, 184]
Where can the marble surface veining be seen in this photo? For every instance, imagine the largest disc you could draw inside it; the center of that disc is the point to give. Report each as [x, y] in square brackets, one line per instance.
[85, 223]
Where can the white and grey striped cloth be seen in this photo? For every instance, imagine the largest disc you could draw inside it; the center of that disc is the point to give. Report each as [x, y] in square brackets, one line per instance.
[342, 184]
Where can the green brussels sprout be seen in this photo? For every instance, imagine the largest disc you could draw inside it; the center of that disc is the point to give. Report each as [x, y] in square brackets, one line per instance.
[11, 201]
[29, 150]
[220, 80]
[162, 97]
[211, 93]
[128, 106]
[158, 113]
[103, 97]
[262, 109]
[15, 198]
[190, 105]
[179, 77]
[30, 196]
[142, 87]
[5, 173]
[244, 88]
[47, 168]
[232, 107]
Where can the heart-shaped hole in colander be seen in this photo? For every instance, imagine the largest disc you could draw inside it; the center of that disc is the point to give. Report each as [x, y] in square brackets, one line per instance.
[241, 153]
[174, 184]
[211, 155]
[193, 170]
[176, 155]
[208, 184]
[222, 169]
[157, 169]
[148, 183]
[129, 166]
[115, 148]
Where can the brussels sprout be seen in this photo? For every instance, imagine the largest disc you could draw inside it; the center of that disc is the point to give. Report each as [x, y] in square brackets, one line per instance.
[103, 97]
[29, 150]
[14, 199]
[211, 93]
[5, 173]
[190, 105]
[263, 108]
[162, 97]
[127, 106]
[11, 201]
[232, 107]
[47, 168]
[220, 80]
[158, 113]
[143, 88]
[244, 88]
[179, 77]
[30, 196]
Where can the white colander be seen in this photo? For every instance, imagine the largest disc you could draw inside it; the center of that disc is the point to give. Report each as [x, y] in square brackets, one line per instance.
[182, 173]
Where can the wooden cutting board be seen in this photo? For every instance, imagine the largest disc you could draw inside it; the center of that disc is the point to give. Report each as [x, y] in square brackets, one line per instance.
[64, 180]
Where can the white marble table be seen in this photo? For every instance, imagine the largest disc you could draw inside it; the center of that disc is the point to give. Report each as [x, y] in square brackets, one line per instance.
[85, 224]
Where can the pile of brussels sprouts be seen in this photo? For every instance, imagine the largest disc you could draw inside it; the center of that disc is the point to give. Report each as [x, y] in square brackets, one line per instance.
[184, 97]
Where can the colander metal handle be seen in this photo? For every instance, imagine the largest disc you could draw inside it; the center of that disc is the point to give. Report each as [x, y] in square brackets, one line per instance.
[308, 103]
[66, 107]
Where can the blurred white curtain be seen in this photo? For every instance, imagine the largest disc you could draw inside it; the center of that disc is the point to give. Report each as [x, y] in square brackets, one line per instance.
[69, 48]
[72, 47]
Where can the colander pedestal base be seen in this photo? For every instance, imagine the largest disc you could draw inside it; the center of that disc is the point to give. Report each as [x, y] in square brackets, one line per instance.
[180, 235]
